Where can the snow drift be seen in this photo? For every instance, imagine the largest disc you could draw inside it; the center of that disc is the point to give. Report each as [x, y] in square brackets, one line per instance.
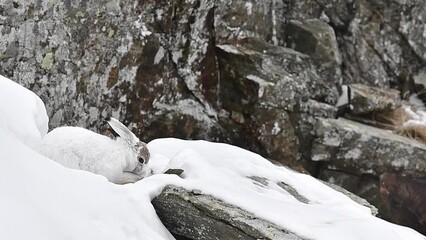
[22, 113]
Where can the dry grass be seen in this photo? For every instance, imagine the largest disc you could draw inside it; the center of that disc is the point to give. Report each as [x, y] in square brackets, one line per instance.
[402, 122]
[416, 131]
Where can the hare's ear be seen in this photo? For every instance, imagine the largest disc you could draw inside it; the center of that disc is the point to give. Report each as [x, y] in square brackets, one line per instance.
[123, 131]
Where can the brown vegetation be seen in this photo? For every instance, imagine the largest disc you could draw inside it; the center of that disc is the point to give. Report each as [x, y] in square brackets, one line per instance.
[398, 120]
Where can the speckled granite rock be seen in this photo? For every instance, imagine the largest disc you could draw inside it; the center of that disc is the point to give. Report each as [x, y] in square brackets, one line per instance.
[315, 38]
[387, 33]
[359, 148]
[268, 83]
[367, 99]
[91, 59]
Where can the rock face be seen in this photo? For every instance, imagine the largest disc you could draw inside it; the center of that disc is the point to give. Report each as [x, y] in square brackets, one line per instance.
[355, 156]
[259, 95]
[366, 99]
[404, 198]
[362, 149]
[254, 74]
[317, 39]
[190, 215]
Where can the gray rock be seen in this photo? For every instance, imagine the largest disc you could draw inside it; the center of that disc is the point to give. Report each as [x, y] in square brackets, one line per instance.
[412, 27]
[316, 38]
[260, 75]
[372, 72]
[198, 216]
[192, 49]
[260, 94]
[380, 45]
[367, 99]
[293, 192]
[91, 59]
[288, 188]
[239, 19]
[302, 10]
[359, 148]
[304, 120]
[348, 181]
[339, 13]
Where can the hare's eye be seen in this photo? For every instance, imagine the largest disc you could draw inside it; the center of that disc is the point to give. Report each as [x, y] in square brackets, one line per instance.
[141, 160]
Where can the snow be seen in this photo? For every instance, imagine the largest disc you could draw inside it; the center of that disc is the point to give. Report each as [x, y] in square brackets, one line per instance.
[355, 153]
[274, 23]
[44, 200]
[159, 55]
[415, 114]
[22, 113]
[276, 129]
[262, 83]
[344, 97]
[249, 7]
[415, 101]
[229, 48]
[259, 80]
[211, 167]
[141, 25]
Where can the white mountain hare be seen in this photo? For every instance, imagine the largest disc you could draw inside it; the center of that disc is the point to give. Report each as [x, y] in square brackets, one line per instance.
[121, 161]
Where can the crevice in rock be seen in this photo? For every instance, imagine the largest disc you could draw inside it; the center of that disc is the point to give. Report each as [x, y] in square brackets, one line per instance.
[390, 72]
[216, 60]
[408, 45]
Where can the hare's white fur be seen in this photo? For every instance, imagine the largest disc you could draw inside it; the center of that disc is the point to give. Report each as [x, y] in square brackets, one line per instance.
[79, 148]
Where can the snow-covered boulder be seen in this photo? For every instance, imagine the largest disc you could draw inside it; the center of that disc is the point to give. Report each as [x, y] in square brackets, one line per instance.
[224, 178]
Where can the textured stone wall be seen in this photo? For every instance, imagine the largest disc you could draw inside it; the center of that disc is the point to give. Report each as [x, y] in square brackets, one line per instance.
[147, 62]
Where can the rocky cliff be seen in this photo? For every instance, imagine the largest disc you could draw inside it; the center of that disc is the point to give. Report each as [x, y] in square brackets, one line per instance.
[264, 76]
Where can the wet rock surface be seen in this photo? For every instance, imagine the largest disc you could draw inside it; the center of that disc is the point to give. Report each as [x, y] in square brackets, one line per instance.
[260, 75]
